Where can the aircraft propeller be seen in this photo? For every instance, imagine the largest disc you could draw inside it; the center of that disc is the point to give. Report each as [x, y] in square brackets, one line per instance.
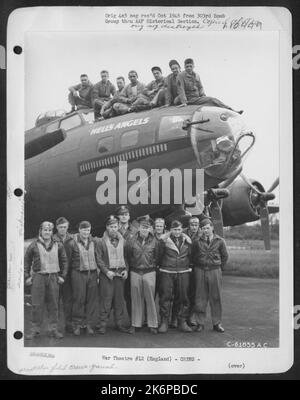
[259, 200]
[214, 199]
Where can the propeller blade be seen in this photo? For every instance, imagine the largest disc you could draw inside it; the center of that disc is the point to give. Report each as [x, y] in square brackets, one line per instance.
[217, 218]
[274, 186]
[265, 227]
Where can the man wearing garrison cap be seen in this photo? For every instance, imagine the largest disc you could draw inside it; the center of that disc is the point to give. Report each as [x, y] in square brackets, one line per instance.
[172, 97]
[209, 258]
[127, 230]
[155, 91]
[47, 260]
[143, 253]
[84, 266]
[114, 272]
[175, 278]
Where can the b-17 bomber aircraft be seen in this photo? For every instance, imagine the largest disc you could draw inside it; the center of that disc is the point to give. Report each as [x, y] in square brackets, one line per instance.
[72, 163]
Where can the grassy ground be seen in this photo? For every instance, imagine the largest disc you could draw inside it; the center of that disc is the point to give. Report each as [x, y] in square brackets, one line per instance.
[249, 258]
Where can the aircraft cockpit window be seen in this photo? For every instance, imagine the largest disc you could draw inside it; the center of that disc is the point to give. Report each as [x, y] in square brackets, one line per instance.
[52, 127]
[129, 139]
[171, 127]
[71, 122]
[106, 144]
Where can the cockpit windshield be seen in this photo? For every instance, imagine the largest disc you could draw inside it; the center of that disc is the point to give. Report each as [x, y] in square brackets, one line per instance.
[49, 116]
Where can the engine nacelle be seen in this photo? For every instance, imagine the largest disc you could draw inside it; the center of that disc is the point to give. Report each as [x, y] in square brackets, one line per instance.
[43, 142]
[239, 207]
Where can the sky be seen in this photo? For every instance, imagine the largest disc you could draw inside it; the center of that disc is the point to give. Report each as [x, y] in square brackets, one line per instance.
[239, 68]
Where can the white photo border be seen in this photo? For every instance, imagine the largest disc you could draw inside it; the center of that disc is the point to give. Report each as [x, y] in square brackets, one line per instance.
[74, 361]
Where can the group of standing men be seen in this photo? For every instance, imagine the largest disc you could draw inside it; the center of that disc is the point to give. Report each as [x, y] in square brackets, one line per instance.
[129, 266]
[178, 88]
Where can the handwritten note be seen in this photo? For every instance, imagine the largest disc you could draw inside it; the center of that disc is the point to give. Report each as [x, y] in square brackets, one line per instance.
[65, 368]
[181, 21]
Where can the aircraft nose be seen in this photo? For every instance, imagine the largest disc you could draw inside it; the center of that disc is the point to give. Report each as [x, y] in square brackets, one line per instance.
[215, 133]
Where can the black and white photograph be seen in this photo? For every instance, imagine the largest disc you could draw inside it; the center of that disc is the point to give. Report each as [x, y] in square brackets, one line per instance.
[153, 155]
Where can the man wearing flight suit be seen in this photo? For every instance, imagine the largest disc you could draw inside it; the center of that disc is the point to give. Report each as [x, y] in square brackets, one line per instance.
[62, 236]
[209, 258]
[114, 272]
[127, 230]
[48, 261]
[174, 278]
[80, 95]
[172, 97]
[143, 253]
[102, 92]
[84, 273]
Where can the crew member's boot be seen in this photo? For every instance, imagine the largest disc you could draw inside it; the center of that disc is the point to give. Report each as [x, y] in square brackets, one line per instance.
[33, 334]
[56, 334]
[90, 330]
[163, 328]
[183, 327]
[218, 328]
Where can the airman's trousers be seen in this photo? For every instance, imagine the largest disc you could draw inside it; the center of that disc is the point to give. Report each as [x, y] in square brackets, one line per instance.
[143, 292]
[174, 286]
[111, 296]
[78, 101]
[67, 299]
[85, 298]
[44, 293]
[207, 290]
[210, 101]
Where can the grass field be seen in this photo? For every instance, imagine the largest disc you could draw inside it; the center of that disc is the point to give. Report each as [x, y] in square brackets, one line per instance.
[249, 258]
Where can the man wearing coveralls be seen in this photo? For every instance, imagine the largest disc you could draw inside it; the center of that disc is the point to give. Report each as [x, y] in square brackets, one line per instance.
[80, 95]
[131, 98]
[102, 92]
[190, 89]
[155, 91]
[172, 97]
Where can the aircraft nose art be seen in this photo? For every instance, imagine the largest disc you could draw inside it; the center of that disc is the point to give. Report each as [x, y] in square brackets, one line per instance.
[215, 134]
